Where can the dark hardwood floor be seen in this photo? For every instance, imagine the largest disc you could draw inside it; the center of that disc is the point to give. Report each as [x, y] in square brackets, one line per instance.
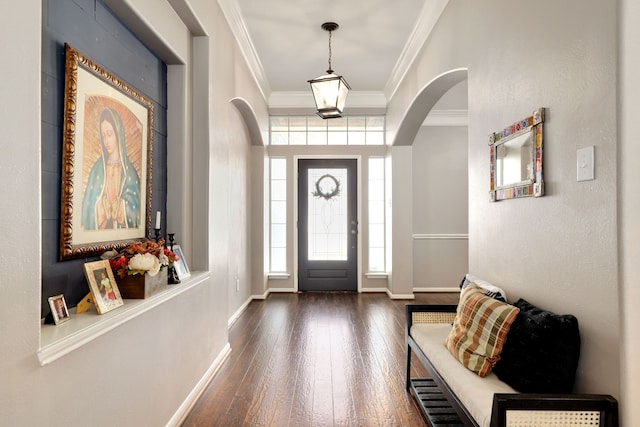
[315, 359]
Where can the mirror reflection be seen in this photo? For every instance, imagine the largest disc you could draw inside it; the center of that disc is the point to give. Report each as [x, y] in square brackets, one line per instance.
[514, 161]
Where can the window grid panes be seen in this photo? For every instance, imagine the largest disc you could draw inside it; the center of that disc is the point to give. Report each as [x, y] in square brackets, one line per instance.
[376, 215]
[312, 130]
[278, 215]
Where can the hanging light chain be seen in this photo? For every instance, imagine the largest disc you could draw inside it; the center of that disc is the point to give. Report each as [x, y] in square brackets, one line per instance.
[330, 27]
[329, 71]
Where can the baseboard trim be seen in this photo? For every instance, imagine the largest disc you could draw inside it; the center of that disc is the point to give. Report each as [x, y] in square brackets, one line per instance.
[440, 289]
[400, 296]
[261, 297]
[239, 311]
[184, 409]
[368, 290]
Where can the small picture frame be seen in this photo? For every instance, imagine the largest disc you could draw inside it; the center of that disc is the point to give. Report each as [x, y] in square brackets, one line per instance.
[59, 309]
[103, 286]
[182, 269]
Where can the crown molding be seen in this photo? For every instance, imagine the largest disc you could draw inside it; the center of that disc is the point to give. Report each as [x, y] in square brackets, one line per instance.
[447, 118]
[429, 16]
[304, 100]
[426, 22]
[232, 13]
[290, 99]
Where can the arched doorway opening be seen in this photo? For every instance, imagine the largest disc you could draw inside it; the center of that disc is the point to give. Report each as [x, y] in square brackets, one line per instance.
[431, 220]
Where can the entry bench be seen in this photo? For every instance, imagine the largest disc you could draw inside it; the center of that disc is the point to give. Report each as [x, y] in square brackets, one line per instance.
[458, 396]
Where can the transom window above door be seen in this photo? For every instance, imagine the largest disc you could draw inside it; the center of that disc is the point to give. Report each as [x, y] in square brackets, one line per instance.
[312, 130]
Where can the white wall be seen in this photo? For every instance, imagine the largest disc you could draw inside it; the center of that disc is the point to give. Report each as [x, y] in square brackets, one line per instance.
[20, 165]
[239, 225]
[260, 221]
[559, 251]
[401, 268]
[440, 207]
[141, 372]
[629, 206]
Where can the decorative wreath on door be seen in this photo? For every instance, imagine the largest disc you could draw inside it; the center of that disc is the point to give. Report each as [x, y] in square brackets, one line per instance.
[327, 187]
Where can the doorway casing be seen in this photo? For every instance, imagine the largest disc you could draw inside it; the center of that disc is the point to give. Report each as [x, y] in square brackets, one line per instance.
[296, 159]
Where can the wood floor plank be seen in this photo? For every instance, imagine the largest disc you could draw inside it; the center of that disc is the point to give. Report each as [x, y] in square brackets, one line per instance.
[292, 360]
[315, 359]
[265, 390]
[383, 373]
[343, 359]
[253, 366]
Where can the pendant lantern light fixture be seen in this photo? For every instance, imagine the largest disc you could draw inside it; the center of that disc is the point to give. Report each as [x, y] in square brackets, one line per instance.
[329, 90]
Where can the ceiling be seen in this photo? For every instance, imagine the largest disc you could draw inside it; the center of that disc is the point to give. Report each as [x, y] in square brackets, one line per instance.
[285, 45]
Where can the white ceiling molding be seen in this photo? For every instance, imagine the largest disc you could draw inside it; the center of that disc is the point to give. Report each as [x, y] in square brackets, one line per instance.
[447, 118]
[232, 13]
[279, 99]
[356, 99]
[426, 22]
[430, 14]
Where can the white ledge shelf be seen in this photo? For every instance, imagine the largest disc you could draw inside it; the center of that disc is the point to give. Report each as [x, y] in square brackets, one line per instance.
[59, 340]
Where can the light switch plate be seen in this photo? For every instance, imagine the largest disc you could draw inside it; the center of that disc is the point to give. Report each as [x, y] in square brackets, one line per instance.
[585, 162]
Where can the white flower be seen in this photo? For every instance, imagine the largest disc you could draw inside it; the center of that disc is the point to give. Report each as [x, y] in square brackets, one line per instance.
[164, 260]
[145, 262]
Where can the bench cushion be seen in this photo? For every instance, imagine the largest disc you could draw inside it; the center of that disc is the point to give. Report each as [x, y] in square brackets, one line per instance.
[479, 329]
[474, 392]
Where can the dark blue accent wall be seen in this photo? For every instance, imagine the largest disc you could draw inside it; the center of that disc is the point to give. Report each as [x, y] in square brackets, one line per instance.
[91, 28]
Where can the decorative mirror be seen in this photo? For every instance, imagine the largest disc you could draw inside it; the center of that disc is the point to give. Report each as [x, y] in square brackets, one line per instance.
[516, 159]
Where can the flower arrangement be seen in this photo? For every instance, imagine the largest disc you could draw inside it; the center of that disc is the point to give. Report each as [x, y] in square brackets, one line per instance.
[140, 258]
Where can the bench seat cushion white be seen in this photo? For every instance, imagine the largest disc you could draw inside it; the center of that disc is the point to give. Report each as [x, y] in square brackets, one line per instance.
[475, 393]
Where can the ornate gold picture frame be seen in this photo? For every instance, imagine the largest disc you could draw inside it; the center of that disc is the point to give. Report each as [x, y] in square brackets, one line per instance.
[106, 161]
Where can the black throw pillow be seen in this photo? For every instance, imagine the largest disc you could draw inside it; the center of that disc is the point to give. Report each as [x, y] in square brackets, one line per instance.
[541, 352]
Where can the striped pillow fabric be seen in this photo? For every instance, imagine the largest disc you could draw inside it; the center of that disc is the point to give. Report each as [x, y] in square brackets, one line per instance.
[479, 329]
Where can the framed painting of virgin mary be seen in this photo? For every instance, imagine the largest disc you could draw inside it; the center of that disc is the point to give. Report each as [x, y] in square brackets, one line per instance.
[107, 160]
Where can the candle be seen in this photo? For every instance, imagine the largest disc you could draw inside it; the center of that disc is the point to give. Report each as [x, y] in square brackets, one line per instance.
[158, 216]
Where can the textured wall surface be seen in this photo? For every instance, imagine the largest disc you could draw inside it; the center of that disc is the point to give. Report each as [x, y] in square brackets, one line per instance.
[558, 251]
[144, 370]
[629, 204]
[440, 206]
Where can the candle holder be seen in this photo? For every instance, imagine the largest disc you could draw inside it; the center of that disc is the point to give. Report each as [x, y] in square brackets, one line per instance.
[172, 274]
[157, 234]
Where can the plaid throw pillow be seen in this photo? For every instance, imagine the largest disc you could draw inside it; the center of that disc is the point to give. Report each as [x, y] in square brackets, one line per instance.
[479, 330]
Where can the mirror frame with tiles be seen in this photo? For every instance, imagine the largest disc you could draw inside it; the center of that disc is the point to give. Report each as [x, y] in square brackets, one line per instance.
[528, 181]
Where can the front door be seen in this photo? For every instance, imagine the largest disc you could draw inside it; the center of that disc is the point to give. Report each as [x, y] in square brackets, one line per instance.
[327, 225]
